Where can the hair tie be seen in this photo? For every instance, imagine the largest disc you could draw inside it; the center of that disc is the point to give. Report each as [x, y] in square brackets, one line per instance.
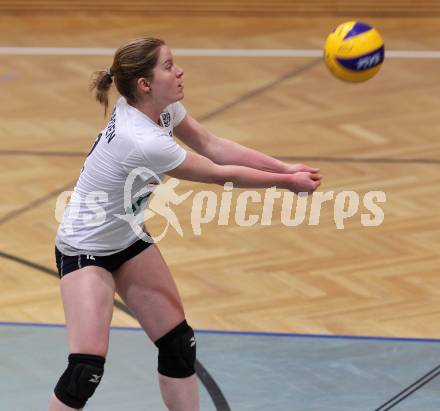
[108, 71]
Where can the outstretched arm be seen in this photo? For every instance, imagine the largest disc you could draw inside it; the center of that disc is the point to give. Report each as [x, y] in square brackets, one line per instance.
[225, 152]
[199, 168]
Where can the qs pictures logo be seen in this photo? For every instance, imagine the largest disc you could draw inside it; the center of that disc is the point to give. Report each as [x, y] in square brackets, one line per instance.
[153, 198]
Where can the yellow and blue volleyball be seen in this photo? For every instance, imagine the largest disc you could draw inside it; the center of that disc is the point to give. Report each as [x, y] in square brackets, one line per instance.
[354, 51]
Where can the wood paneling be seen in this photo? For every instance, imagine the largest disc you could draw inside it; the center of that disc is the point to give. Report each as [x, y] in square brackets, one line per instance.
[283, 8]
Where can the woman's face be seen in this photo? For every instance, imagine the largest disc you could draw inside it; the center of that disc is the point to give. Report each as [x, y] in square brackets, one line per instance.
[166, 87]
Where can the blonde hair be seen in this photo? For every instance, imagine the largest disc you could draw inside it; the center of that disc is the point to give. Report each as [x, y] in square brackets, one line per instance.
[131, 61]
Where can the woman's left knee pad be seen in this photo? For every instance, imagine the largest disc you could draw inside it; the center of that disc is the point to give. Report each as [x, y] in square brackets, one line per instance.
[177, 352]
[79, 381]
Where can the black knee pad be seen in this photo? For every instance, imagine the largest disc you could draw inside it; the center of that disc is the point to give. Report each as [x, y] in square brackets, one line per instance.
[79, 381]
[177, 352]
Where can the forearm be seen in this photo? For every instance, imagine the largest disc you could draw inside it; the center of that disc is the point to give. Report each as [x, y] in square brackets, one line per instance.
[246, 177]
[201, 169]
[226, 152]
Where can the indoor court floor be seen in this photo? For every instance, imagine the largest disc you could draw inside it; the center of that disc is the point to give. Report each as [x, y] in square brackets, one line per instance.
[287, 318]
[255, 371]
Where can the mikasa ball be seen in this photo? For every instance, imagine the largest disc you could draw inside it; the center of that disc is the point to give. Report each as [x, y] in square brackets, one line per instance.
[354, 51]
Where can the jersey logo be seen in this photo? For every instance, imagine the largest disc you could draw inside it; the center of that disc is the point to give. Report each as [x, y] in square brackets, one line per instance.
[166, 119]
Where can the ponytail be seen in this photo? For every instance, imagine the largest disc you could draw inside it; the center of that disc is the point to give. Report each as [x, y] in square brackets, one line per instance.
[102, 81]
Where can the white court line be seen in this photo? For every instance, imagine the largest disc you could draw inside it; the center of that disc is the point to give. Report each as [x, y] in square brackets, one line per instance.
[81, 51]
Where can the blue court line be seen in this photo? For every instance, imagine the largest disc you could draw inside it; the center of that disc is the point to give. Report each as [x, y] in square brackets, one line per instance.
[250, 333]
[321, 336]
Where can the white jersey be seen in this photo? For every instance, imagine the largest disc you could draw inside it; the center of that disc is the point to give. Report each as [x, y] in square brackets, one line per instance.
[131, 139]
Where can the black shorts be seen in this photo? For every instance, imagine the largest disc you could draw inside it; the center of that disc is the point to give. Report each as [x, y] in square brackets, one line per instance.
[67, 263]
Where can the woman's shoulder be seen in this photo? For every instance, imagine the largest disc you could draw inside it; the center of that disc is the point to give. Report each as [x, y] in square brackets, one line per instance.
[176, 112]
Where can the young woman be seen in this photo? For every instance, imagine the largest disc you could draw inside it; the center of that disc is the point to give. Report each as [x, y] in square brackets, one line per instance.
[97, 257]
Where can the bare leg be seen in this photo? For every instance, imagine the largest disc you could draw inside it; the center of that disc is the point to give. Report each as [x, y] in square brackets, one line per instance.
[87, 296]
[147, 287]
[180, 394]
[57, 405]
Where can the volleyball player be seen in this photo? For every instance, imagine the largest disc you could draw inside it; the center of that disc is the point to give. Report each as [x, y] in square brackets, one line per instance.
[98, 253]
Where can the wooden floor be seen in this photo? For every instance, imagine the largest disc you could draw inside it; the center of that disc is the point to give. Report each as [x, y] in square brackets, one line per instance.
[313, 279]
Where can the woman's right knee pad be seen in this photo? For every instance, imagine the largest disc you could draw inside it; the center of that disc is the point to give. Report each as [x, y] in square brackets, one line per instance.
[177, 352]
[79, 381]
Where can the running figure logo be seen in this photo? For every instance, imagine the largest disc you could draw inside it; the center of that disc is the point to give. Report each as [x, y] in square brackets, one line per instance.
[160, 196]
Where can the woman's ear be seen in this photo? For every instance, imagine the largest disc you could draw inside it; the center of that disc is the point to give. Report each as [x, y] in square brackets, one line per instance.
[144, 84]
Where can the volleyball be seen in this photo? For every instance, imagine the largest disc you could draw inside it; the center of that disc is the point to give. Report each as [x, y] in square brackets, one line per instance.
[354, 51]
